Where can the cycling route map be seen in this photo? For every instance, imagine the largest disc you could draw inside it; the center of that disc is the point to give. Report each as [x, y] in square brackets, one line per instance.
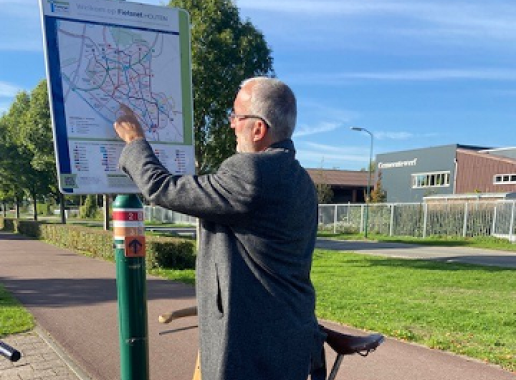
[104, 67]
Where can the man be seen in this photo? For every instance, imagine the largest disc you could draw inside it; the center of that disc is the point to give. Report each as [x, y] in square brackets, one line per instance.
[258, 218]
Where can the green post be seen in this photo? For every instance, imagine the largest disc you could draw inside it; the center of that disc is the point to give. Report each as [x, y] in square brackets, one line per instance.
[129, 243]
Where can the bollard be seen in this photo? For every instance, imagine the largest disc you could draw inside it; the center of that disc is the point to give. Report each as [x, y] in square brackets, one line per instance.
[129, 244]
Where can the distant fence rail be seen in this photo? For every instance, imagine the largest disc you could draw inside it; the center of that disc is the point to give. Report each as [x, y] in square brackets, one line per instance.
[463, 219]
[162, 215]
[459, 218]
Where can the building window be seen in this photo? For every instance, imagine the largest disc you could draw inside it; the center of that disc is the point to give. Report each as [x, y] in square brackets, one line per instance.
[434, 179]
[504, 179]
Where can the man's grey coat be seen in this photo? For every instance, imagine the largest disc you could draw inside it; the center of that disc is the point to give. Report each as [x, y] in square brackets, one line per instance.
[258, 226]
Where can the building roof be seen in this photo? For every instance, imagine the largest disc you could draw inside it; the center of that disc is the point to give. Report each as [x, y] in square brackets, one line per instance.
[339, 177]
[488, 156]
[472, 148]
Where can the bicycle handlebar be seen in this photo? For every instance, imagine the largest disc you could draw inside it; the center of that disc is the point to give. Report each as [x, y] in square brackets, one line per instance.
[169, 317]
[9, 352]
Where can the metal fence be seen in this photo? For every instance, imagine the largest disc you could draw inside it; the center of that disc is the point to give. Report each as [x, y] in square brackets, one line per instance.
[162, 215]
[466, 219]
[463, 219]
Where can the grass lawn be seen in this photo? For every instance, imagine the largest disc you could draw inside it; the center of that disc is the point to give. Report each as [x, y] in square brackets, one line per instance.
[14, 318]
[466, 309]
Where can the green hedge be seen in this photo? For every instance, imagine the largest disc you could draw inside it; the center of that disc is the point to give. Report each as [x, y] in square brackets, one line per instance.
[162, 252]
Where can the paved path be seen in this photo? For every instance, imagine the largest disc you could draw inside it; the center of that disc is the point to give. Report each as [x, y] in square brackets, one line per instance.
[73, 298]
[478, 256]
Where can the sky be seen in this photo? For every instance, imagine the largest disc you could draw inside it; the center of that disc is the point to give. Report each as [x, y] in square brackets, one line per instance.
[413, 73]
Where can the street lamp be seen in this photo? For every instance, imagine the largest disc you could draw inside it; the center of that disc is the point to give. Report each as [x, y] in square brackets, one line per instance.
[366, 223]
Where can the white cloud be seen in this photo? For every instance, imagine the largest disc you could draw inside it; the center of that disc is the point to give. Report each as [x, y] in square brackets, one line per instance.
[8, 90]
[312, 7]
[306, 130]
[21, 26]
[341, 25]
[402, 135]
[405, 76]
[492, 15]
[435, 74]
[327, 156]
[334, 149]
[328, 118]
[393, 135]
[323, 110]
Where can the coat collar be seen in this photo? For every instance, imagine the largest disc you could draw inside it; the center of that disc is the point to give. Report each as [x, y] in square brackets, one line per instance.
[286, 145]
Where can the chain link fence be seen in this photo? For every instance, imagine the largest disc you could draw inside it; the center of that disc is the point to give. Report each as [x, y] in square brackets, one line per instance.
[460, 218]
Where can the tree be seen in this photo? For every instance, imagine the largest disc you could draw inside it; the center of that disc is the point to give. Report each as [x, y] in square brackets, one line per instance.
[23, 167]
[7, 187]
[378, 195]
[324, 190]
[225, 51]
[90, 208]
[37, 132]
[324, 193]
[14, 171]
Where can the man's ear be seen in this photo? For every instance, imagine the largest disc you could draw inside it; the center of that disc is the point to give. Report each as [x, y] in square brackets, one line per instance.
[259, 130]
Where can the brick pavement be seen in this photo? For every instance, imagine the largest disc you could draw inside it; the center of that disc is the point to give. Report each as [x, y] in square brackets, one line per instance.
[41, 359]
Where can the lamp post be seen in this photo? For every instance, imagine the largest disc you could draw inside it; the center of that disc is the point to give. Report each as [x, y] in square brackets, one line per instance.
[366, 223]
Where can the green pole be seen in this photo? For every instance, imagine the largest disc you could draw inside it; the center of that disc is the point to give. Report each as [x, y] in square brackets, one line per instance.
[129, 239]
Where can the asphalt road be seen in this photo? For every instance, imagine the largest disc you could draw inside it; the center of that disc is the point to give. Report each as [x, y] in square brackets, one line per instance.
[476, 256]
[74, 298]
[406, 251]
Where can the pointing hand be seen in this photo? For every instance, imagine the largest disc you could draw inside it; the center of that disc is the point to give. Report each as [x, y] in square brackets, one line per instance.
[127, 125]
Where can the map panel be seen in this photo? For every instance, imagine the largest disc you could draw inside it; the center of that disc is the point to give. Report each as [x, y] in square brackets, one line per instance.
[104, 66]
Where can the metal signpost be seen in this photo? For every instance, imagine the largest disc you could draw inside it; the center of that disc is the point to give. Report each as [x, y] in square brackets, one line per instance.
[129, 243]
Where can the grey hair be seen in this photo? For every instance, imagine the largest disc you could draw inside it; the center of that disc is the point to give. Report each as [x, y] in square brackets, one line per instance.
[275, 102]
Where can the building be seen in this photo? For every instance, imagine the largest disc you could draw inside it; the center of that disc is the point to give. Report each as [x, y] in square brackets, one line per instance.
[411, 175]
[346, 185]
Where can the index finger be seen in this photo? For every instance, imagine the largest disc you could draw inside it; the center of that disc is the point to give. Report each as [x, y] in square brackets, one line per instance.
[126, 110]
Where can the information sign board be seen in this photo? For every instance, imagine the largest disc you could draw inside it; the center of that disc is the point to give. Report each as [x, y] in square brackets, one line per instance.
[103, 54]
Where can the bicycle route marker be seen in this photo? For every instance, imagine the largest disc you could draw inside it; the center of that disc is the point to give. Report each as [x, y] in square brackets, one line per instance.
[101, 55]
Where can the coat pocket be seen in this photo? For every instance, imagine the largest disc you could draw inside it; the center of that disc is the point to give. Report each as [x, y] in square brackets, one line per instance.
[219, 300]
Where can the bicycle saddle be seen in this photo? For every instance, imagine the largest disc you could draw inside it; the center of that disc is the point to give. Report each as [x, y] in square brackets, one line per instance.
[344, 344]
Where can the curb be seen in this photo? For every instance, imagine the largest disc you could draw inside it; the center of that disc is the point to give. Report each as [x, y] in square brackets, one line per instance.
[78, 371]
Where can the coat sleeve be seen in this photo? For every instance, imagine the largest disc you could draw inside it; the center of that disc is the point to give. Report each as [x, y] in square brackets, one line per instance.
[226, 197]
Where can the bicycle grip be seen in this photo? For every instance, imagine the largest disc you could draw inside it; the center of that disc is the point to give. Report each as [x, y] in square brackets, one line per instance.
[9, 352]
[169, 317]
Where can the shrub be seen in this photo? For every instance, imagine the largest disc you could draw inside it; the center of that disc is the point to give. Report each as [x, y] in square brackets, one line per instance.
[90, 209]
[162, 252]
[44, 208]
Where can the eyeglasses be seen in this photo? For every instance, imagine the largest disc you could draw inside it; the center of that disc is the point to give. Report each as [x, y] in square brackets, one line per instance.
[233, 115]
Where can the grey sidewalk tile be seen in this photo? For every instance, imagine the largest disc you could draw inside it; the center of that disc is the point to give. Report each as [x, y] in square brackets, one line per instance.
[40, 360]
